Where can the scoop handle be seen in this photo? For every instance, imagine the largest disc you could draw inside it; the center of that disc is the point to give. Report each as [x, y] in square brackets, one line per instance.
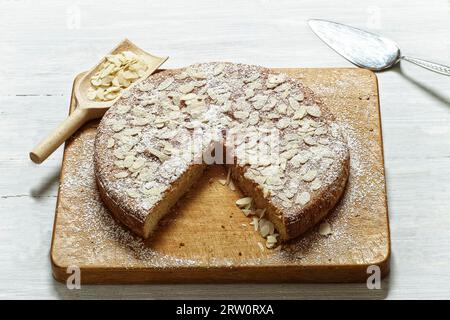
[433, 66]
[68, 127]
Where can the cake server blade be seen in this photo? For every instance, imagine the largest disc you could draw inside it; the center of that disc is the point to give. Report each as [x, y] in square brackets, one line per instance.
[362, 48]
[366, 49]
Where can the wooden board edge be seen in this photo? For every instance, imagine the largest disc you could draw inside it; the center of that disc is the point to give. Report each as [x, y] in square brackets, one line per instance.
[244, 274]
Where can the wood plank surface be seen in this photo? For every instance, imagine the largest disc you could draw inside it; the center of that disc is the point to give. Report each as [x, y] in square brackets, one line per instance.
[206, 238]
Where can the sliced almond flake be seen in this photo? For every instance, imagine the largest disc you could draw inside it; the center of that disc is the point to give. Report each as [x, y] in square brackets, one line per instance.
[122, 109]
[119, 154]
[264, 228]
[272, 238]
[232, 186]
[287, 155]
[161, 156]
[303, 198]
[244, 202]
[259, 101]
[165, 84]
[253, 118]
[283, 87]
[128, 161]
[189, 96]
[110, 143]
[229, 175]
[327, 162]
[139, 111]
[252, 78]
[140, 121]
[299, 96]
[294, 103]
[139, 163]
[218, 69]
[135, 174]
[281, 108]
[300, 158]
[286, 204]
[132, 193]
[119, 164]
[325, 229]
[274, 180]
[186, 88]
[255, 223]
[145, 86]
[261, 246]
[310, 141]
[122, 174]
[132, 131]
[273, 116]
[241, 114]
[316, 184]
[266, 192]
[283, 197]
[321, 131]
[314, 110]
[148, 102]
[270, 245]
[300, 113]
[91, 94]
[309, 176]
[199, 84]
[273, 80]
[118, 127]
[196, 74]
[181, 76]
[249, 93]
[283, 123]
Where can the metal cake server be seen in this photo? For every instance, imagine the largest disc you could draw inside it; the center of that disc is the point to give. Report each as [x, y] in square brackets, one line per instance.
[365, 49]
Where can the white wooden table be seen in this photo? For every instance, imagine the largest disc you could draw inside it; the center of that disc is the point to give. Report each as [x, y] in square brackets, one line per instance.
[44, 45]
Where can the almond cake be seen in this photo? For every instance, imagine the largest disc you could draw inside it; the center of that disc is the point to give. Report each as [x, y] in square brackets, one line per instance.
[282, 146]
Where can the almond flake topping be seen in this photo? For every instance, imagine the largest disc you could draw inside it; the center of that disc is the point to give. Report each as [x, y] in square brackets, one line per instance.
[186, 88]
[325, 229]
[165, 84]
[110, 143]
[316, 185]
[132, 193]
[218, 69]
[313, 110]
[309, 176]
[241, 203]
[161, 156]
[303, 198]
[122, 174]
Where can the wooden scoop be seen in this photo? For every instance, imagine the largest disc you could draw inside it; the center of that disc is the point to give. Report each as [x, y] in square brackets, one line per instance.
[87, 109]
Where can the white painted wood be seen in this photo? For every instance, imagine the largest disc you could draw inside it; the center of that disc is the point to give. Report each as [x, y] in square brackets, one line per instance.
[43, 45]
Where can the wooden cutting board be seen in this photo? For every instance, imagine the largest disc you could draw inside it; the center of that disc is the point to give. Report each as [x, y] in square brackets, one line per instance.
[207, 238]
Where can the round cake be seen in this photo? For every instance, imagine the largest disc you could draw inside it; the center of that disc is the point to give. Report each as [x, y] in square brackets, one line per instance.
[283, 147]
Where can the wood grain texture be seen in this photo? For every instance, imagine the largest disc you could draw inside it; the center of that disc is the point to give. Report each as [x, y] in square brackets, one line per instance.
[42, 49]
[206, 238]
